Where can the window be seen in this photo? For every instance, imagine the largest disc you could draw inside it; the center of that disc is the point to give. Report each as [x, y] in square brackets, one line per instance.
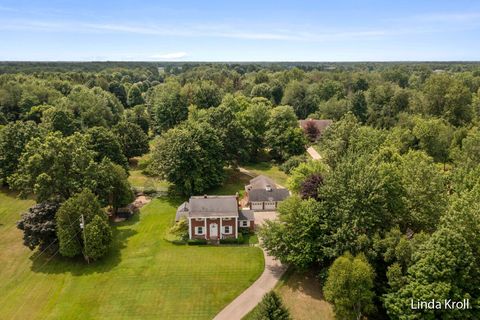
[199, 231]
[227, 230]
[244, 223]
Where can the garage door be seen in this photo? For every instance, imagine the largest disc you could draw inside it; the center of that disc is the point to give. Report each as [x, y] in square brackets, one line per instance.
[270, 205]
[257, 206]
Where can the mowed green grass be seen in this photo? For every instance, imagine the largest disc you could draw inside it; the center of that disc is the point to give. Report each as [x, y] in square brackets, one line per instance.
[143, 277]
[140, 181]
[269, 170]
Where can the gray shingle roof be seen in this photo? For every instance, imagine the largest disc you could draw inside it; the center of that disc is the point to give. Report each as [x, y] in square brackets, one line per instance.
[246, 215]
[261, 182]
[213, 206]
[264, 195]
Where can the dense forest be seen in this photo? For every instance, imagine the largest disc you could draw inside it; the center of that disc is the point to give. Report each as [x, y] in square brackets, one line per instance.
[390, 215]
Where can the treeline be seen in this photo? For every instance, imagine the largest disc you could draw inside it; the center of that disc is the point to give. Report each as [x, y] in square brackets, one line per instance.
[403, 146]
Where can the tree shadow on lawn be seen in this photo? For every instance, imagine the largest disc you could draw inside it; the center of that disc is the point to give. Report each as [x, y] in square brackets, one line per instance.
[306, 282]
[78, 266]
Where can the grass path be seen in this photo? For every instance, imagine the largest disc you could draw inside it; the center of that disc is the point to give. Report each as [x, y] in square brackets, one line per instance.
[143, 277]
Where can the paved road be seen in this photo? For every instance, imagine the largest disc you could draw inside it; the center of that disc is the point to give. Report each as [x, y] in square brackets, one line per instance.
[314, 154]
[245, 302]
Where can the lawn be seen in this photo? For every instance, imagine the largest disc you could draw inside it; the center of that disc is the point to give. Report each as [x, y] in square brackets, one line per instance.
[268, 169]
[301, 293]
[143, 277]
[142, 182]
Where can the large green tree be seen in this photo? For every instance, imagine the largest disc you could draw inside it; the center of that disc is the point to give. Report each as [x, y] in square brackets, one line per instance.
[105, 143]
[190, 157]
[13, 139]
[168, 104]
[443, 269]
[133, 140]
[284, 138]
[82, 207]
[134, 96]
[55, 166]
[349, 287]
[38, 226]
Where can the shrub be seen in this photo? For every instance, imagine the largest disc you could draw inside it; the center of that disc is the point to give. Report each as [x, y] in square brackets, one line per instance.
[239, 240]
[195, 242]
[292, 163]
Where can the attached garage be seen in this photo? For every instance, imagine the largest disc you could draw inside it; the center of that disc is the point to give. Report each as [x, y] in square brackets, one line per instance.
[258, 206]
[270, 205]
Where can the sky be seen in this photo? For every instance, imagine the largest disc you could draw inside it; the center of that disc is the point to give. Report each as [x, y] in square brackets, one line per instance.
[241, 30]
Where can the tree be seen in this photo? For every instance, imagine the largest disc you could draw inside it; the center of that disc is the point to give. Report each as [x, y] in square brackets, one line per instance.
[300, 237]
[425, 192]
[292, 163]
[304, 170]
[133, 140]
[271, 308]
[134, 96]
[349, 287]
[93, 107]
[234, 137]
[189, 156]
[54, 119]
[180, 229]
[359, 106]
[38, 226]
[54, 167]
[69, 232]
[118, 90]
[310, 187]
[336, 140]
[448, 97]
[334, 108]
[106, 144]
[13, 139]
[311, 131]
[443, 268]
[284, 137]
[434, 136]
[254, 119]
[112, 186]
[206, 94]
[98, 238]
[295, 95]
[138, 115]
[261, 90]
[169, 105]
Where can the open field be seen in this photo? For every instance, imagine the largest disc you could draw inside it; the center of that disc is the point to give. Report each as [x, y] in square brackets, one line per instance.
[143, 276]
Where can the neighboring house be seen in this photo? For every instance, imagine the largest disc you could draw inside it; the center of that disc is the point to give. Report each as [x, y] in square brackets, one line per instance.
[321, 125]
[214, 217]
[263, 194]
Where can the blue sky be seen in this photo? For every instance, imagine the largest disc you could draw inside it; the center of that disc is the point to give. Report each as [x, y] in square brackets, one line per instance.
[241, 30]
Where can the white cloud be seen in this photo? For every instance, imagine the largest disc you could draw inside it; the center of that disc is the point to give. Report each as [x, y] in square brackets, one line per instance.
[170, 56]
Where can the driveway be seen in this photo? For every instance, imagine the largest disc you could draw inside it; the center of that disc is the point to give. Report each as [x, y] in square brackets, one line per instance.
[274, 270]
[314, 154]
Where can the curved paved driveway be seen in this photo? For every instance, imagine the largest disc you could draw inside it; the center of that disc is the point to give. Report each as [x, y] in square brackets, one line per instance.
[245, 302]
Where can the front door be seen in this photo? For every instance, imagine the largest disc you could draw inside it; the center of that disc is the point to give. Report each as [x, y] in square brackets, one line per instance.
[213, 230]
